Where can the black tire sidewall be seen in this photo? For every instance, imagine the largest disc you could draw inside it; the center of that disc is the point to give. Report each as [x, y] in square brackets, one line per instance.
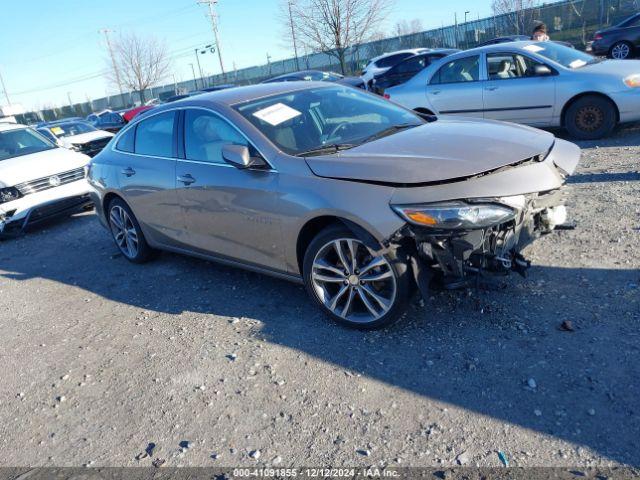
[145, 252]
[396, 258]
[607, 127]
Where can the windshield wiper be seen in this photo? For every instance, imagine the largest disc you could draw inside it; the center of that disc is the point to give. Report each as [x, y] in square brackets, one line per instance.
[323, 149]
[390, 131]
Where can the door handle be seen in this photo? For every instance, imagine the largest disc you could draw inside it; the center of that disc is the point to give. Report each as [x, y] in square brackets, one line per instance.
[128, 172]
[491, 89]
[436, 92]
[186, 179]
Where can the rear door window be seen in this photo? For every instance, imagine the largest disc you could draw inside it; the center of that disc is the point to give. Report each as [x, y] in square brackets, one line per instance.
[460, 70]
[154, 136]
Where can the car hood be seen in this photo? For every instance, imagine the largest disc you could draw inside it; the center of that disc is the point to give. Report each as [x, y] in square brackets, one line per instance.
[622, 68]
[444, 150]
[86, 137]
[14, 171]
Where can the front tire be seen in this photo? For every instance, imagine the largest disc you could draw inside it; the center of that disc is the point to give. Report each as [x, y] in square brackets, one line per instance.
[351, 284]
[126, 232]
[590, 117]
[621, 51]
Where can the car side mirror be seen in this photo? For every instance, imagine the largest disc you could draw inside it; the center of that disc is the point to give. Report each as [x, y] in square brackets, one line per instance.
[542, 71]
[239, 157]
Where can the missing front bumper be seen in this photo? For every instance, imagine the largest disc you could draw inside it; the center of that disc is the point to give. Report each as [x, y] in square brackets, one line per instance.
[453, 260]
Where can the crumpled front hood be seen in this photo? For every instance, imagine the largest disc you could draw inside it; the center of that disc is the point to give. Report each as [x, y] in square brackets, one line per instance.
[86, 137]
[15, 171]
[450, 148]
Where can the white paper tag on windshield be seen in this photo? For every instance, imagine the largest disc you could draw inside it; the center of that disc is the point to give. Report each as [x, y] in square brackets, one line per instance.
[533, 48]
[276, 114]
[577, 63]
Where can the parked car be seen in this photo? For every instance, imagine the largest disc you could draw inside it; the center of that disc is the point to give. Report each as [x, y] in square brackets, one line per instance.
[535, 83]
[129, 114]
[355, 82]
[106, 120]
[333, 187]
[408, 68]
[306, 75]
[380, 64]
[77, 135]
[621, 41]
[518, 38]
[38, 179]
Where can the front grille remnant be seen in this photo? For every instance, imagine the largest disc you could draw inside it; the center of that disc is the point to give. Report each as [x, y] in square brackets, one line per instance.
[52, 181]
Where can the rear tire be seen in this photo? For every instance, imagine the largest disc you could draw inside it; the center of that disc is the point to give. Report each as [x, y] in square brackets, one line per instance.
[126, 232]
[351, 285]
[590, 117]
[621, 51]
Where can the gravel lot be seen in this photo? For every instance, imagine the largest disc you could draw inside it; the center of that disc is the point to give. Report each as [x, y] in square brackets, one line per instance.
[220, 367]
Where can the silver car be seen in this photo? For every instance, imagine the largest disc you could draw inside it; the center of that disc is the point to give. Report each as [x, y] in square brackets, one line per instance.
[358, 198]
[542, 84]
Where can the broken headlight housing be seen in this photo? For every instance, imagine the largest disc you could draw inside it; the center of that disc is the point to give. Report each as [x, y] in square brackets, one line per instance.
[456, 215]
[9, 194]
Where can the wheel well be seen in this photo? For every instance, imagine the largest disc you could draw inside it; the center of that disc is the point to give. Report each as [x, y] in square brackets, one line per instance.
[316, 225]
[425, 111]
[108, 198]
[585, 94]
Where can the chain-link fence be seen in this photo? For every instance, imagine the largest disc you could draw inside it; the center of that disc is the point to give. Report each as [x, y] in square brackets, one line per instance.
[573, 21]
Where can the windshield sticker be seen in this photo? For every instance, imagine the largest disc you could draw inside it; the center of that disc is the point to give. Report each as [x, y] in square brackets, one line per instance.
[276, 114]
[57, 130]
[534, 48]
[577, 64]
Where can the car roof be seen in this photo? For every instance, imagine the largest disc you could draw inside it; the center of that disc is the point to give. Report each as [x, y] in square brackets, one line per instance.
[7, 126]
[396, 52]
[232, 96]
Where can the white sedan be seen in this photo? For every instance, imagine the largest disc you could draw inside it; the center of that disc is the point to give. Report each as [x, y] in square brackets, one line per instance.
[542, 84]
[77, 135]
[38, 179]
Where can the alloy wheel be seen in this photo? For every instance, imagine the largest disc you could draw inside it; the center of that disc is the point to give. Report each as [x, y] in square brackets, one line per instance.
[621, 51]
[124, 231]
[353, 283]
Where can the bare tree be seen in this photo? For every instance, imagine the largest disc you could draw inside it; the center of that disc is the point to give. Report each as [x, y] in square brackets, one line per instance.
[336, 26]
[518, 13]
[140, 63]
[407, 28]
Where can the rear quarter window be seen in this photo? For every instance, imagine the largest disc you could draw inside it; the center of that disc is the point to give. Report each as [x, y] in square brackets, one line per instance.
[126, 142]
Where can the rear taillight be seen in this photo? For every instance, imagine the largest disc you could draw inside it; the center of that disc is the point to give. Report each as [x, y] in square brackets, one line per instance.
[387, 96]
[597, 36]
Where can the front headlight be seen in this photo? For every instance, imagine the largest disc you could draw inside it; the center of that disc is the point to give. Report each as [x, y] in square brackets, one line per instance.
[9, 194]
[632, 81]
[455, 215]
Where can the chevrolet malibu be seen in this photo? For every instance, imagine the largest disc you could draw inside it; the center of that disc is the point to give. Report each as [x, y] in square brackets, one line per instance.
[357, 198]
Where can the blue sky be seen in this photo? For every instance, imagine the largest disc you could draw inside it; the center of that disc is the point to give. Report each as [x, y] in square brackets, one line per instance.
[52, 50]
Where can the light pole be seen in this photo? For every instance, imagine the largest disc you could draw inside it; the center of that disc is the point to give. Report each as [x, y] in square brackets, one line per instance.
[293, 34]
[195, 82]
[466, 27]
[4, 89]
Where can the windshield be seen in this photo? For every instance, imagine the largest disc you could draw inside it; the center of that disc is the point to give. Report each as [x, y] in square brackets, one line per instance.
[311, 119]
[24, 141]
[70, 129]
[565, 56]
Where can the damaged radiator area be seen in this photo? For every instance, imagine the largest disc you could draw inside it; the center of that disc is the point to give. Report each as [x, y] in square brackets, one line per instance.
[458, 259]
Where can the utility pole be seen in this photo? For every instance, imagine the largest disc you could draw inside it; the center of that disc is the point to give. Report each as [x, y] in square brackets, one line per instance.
[269, 62]
[195, 82]
[106, 32]
[4, 89]
[214, 26]
[70, 102]
[293, 34]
